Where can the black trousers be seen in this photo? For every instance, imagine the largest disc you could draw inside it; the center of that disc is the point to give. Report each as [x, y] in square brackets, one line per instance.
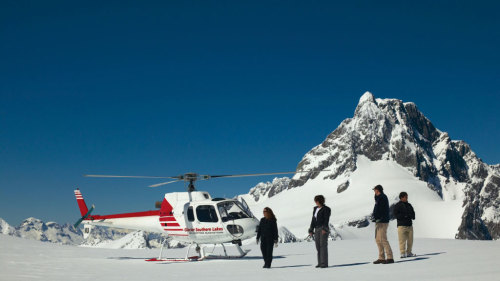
[322, 247]
[266, 246]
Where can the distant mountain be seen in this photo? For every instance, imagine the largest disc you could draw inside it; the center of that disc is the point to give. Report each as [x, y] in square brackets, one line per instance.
[35, 229]
[100, 237]
[390, 141]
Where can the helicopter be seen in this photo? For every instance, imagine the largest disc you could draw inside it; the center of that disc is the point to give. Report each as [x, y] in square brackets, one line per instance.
[192, 217]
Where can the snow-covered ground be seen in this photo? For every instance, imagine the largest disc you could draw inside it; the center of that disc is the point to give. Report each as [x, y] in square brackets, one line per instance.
[439, 259]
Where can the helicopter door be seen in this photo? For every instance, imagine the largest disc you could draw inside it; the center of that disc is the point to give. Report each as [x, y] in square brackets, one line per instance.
[245, 206]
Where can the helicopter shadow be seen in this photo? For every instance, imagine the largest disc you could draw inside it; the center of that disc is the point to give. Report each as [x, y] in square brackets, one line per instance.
[127, 258]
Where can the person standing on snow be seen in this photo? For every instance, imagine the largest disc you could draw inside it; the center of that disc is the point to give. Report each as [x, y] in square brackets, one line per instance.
[320, 228]
[404, 213]
[381, 218]
[267, 233]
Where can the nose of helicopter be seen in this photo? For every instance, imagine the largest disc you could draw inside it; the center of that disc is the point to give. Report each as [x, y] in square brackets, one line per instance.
[248, 227]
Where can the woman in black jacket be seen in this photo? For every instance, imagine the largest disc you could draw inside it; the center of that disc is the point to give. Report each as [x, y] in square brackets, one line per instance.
[267, 233]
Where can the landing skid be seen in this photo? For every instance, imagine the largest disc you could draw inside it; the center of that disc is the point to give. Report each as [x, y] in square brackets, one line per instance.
[201, 254]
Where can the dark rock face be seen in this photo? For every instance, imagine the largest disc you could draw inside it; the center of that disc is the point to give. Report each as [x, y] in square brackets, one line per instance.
[343, 187]
[481, 218]
[393, 130]
[359, 223]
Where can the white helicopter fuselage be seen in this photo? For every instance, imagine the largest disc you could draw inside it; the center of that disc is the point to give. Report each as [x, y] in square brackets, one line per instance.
[192, 217]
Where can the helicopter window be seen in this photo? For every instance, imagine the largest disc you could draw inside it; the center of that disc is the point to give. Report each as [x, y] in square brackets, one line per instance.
[190, 214]
[232, 210]
[206, 213]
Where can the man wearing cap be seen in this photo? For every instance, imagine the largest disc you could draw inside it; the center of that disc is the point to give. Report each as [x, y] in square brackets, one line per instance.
[381, 218]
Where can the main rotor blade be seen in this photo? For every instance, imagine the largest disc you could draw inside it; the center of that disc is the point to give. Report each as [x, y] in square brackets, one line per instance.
[137, 177]
[163, 183]
[263, 174]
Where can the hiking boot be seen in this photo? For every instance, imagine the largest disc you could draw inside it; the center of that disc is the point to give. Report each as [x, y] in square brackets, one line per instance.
[318, 266]
[389, 261]
[410, 255]
[379, 261]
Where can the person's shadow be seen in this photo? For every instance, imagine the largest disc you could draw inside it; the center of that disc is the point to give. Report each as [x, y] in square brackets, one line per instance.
[291, 266]
[417, 258]
[350, 264]
[414, 259]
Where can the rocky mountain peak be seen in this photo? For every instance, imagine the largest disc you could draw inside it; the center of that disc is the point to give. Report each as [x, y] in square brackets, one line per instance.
[390, 129]
[367, 97]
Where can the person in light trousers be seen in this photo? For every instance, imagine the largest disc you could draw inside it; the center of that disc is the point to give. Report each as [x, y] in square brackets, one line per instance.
[404, 213]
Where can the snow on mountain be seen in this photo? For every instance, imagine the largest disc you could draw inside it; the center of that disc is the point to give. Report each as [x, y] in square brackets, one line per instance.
[392, 143]
[5, 228]
[35, 229]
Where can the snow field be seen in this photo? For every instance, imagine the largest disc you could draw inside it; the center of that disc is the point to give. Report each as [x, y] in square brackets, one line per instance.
[439, 259]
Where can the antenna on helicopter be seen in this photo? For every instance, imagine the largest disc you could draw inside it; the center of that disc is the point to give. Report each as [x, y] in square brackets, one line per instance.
[191, 178]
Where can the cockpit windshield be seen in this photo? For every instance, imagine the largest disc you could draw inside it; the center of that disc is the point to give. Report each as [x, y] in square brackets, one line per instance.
[232, 210]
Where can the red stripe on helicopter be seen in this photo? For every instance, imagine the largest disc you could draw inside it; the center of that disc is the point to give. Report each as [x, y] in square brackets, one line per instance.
[174, 229]
[170, 224]
[125, 215]
[167, 219]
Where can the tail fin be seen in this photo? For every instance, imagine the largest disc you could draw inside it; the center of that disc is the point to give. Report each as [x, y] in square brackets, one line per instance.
[81, 203]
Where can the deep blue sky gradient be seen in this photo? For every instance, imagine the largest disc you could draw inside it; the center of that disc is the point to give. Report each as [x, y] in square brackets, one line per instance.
[162, 88]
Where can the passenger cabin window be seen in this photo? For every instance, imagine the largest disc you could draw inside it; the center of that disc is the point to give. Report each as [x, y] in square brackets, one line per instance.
[190, 214]
[232, 210]
[206, 213]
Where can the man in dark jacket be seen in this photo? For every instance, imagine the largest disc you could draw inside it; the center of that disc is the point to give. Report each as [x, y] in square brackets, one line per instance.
[381, 218]
[320, 228]
[404, 213]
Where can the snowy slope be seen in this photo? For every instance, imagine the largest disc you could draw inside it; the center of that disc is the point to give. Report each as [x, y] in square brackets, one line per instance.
[444, 260]
[392, 143]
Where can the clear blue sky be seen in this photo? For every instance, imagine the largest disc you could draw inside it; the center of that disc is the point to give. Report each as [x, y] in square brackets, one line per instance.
[162, 88]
